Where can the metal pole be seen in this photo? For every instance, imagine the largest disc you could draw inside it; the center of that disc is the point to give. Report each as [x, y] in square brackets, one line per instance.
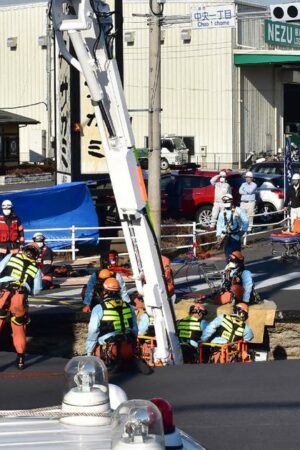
[73, 242]
[49, 152]
[119, 37]
[154, 143]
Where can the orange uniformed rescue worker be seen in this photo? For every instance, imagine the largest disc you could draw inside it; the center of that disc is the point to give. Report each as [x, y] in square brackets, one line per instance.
[11, 230]
[19, 276]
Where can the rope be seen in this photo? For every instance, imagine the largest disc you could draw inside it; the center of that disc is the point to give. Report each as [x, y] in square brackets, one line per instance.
[53, 411]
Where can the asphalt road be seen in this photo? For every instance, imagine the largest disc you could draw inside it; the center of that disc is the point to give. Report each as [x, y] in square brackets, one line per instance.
[238, 406]
[225, 407]
[274, 279]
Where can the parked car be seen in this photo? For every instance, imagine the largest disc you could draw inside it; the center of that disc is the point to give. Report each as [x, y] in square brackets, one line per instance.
[270, 196]
[273, 167]
[191, 195]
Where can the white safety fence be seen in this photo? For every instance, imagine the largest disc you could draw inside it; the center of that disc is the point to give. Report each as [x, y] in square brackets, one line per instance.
[195, 233]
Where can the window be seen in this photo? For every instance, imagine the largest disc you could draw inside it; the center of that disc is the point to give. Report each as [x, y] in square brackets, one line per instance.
[194, 182]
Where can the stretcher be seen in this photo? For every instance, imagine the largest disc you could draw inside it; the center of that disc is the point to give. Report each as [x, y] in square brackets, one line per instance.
[286, 245]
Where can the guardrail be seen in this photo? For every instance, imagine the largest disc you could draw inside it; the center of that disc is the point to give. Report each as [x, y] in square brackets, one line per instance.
[196, 232]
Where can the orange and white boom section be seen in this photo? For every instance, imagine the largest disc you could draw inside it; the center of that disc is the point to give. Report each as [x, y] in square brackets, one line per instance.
[88, 22]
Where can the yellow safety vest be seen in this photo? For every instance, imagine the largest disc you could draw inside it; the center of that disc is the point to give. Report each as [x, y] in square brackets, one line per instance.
[232, 328]
[22, 269]
[189, 328]
[117, 316]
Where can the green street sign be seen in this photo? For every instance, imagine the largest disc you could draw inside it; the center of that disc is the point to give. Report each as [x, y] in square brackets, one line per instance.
[282, 34]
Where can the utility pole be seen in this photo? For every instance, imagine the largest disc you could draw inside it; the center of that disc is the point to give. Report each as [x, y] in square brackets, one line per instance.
[154, 124]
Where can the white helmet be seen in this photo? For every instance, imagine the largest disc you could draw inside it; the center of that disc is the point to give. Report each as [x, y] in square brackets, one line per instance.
[249, 175]
[222, 173]
[38, 237]
[7, 204]
[296, 176]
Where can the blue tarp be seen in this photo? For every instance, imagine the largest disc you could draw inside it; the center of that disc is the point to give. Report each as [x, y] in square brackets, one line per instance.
[56, 207]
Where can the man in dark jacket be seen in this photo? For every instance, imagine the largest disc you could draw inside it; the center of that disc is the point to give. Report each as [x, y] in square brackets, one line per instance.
[11, 230]
[45, 260]
[293, 199]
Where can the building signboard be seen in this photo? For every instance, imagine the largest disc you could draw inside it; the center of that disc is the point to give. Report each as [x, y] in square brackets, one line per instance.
[213, 17]
[282, 34]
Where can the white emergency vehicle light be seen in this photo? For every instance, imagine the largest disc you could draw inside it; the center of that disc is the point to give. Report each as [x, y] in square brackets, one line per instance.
[137, 424]
[86, 391]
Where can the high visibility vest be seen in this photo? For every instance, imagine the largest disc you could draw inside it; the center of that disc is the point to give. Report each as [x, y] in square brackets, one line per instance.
[22, 269]
[117, 316]
[190, 328]
[232, 328]
[10, 229]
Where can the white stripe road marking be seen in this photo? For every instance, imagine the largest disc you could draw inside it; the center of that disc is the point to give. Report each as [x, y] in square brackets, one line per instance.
[278, 280]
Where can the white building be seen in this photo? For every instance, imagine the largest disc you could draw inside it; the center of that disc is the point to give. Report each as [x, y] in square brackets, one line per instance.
[224, 89]
[23, 72]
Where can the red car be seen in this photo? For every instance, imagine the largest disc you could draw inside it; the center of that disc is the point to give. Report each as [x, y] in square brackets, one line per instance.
[191, 195]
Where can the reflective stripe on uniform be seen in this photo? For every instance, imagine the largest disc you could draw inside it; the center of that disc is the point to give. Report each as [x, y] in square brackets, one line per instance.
[189, 328]
[117, 316]
[232, 328]
[21, 268]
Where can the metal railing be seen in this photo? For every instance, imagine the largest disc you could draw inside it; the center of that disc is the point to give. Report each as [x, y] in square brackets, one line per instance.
[196, 232]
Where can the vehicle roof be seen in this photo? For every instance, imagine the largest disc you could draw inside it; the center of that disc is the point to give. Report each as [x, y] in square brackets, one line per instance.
[207, 173]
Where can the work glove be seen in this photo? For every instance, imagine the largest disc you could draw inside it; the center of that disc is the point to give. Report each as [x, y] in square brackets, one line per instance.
[86, 309]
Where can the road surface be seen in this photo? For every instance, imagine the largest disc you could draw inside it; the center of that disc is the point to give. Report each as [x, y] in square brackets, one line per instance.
[226, 407]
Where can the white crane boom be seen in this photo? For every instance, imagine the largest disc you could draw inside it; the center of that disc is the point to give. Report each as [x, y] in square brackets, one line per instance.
[87, 23]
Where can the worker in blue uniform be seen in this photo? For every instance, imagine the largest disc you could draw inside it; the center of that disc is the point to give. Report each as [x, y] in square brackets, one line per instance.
[228, 328]
[231, 226]
[110, 319]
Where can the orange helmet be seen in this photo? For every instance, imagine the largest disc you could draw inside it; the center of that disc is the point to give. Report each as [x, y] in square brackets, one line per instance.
[243, 306]
[111, 285]
[237, 257]
[104, 274]
[241, 309]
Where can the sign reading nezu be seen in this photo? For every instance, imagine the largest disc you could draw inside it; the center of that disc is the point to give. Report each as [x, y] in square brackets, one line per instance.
[282, 34]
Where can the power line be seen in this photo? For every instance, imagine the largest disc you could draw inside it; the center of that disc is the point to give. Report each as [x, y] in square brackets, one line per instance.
[24, 106]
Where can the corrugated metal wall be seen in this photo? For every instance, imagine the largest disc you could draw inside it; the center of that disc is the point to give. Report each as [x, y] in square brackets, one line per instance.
[258, 113]
[196, 81]
[23, 77]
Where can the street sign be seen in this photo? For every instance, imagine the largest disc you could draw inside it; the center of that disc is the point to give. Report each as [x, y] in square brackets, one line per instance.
[282, 34]
[213, 17]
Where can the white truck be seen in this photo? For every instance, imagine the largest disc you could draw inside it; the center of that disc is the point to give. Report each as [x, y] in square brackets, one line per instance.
[173, 151]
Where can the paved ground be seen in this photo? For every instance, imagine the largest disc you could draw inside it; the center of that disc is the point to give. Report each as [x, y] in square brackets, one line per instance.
[274, 278]
[232, 407]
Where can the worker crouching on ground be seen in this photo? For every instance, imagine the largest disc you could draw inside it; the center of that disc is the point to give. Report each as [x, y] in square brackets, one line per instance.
[20, 276]
[293, 199]
[221, 188]
[11, 230]
[94, 282]
[248, 193]
[45, 260]
[190, 330]
[237, 283]
[112, 321]
[144, 321]
[227, 328]
[231, 226]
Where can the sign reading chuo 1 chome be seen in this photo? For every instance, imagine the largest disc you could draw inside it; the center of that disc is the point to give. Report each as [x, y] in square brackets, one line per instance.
[213, 16]
[282, 34]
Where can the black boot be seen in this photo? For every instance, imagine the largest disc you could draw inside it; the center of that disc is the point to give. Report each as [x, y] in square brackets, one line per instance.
[20, 361]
